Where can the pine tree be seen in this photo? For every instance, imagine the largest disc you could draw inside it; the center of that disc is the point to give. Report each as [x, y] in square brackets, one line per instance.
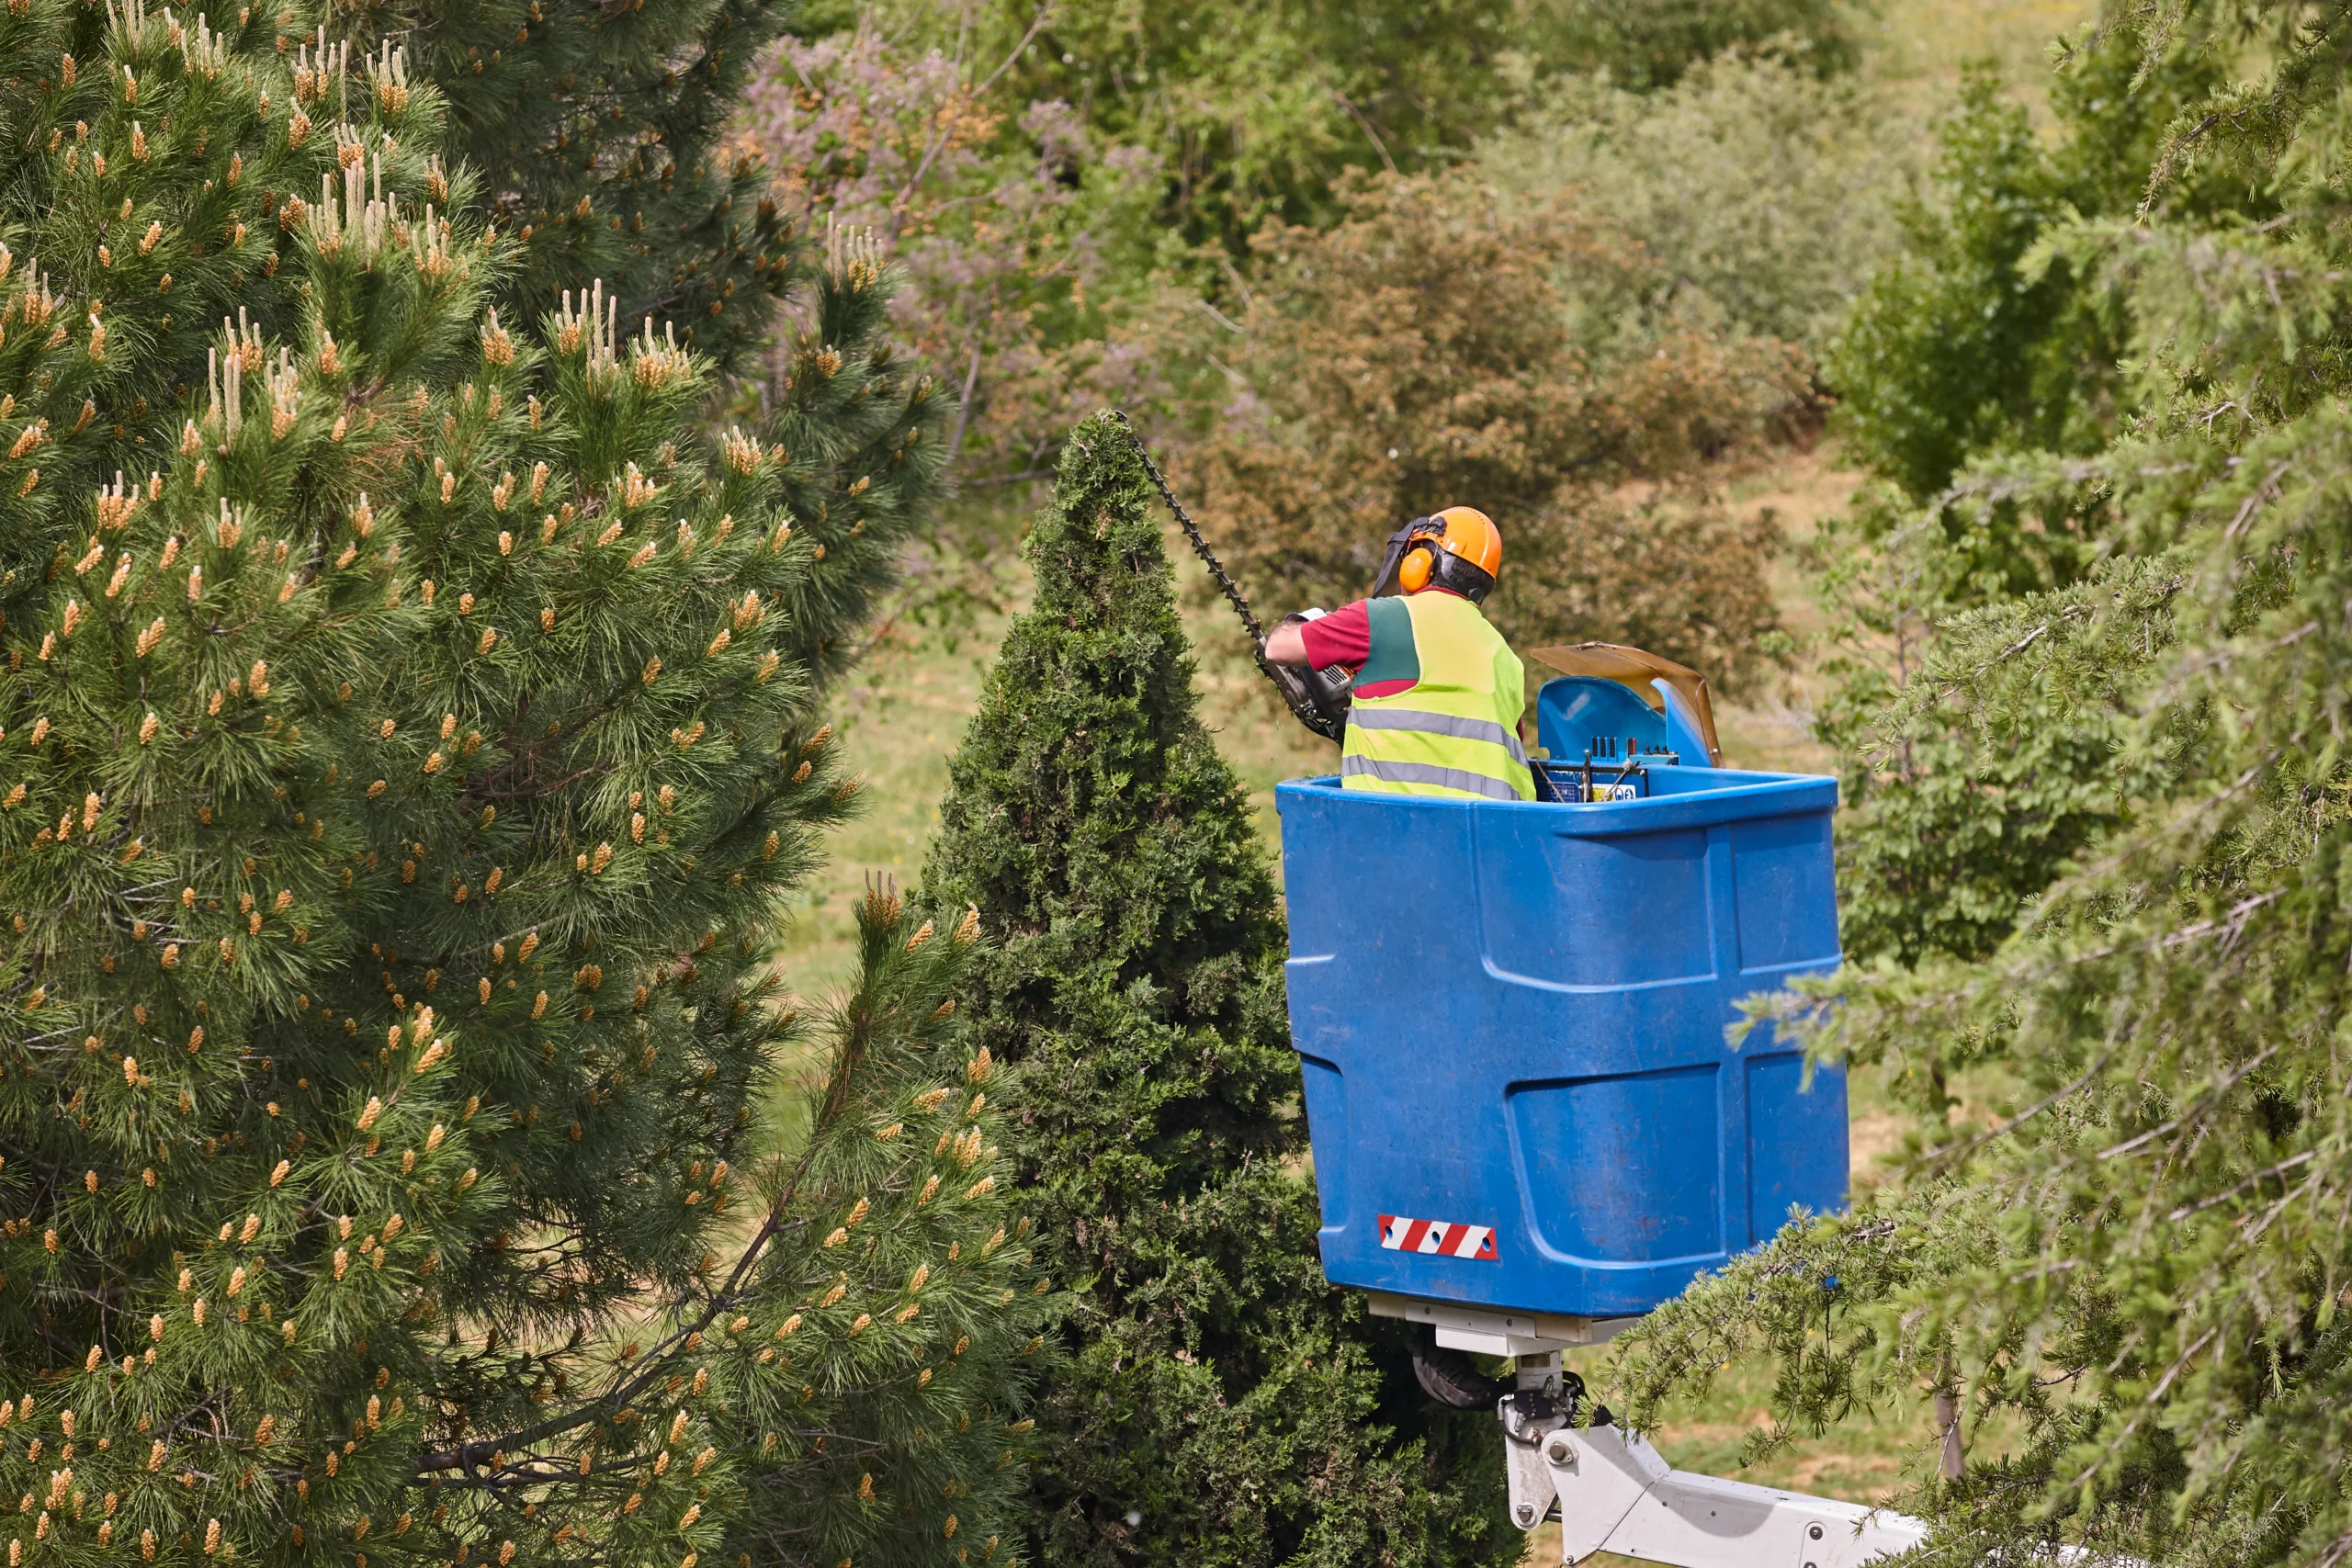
[405, 752]
[1215, 1388]
[599, 133]
[600, 137]
[862, 424]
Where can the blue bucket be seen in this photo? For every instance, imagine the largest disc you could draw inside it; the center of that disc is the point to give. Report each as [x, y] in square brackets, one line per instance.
[1511, 1021]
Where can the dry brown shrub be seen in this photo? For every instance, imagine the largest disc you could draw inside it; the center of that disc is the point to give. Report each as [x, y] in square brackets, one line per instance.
[1441, 347]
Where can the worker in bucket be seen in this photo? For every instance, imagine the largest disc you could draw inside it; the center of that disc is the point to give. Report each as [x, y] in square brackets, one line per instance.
[1437, 695]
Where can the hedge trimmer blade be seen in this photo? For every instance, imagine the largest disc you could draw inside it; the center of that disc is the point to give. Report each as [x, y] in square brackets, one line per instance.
[1317, 698]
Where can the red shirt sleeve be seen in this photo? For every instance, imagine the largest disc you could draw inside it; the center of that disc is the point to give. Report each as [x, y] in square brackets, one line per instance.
[1342, 638]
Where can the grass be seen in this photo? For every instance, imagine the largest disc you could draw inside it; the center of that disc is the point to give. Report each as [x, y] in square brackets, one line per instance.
[1917, 47]
[897, 718]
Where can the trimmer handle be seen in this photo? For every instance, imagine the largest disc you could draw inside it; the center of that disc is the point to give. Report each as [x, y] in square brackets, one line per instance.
[1317, 698]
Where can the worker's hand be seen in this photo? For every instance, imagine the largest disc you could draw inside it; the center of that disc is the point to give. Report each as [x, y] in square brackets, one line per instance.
[1287, 645]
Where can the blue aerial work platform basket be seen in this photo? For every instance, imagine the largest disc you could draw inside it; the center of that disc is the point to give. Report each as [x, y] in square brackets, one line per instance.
[1511, 1019]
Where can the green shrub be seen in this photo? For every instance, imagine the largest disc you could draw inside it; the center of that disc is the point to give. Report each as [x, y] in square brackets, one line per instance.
[1760, 188]
[1973, 340]
[1651, 43]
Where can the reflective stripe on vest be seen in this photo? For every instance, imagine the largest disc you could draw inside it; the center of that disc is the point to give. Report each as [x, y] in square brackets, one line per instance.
[1459, 781]
[1485, 729]
[1454, 732]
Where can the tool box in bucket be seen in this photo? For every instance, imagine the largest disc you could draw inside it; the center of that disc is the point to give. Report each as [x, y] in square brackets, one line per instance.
[1511, 1017]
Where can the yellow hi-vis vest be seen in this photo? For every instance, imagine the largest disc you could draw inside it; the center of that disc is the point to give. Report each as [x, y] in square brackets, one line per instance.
[1455, 731]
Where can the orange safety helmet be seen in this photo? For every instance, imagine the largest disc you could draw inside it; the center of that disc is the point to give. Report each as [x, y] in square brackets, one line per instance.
[1459, 548]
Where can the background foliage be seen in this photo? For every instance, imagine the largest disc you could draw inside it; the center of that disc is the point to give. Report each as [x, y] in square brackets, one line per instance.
[1677, 170]
[1977, 338]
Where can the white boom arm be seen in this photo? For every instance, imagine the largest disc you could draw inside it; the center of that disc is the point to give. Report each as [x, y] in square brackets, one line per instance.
[1616, 1494]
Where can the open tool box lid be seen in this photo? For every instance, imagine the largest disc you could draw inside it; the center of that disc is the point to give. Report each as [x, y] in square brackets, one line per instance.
[1617, 693]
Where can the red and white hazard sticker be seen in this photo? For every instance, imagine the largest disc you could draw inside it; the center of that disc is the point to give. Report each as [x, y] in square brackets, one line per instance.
[1438, 1238]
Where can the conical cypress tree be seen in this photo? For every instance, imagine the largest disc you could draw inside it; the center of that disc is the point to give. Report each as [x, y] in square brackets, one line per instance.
[400, 760]
[1219, 1403]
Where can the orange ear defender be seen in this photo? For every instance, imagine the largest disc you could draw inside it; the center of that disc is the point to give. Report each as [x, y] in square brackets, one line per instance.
[1459, 548]
[1420, 559]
